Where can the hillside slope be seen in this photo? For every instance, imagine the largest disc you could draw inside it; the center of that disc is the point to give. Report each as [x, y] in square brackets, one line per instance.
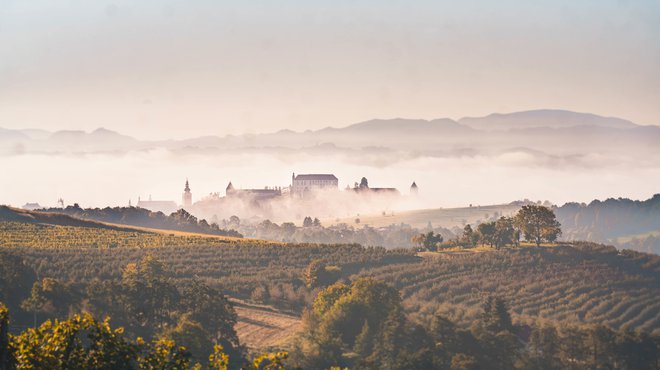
[579, 283]
[10, 214]
[180, 220]
[584, 283]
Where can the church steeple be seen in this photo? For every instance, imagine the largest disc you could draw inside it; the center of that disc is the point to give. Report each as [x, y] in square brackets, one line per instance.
[414, 190]
[229, 190]
[187, 196]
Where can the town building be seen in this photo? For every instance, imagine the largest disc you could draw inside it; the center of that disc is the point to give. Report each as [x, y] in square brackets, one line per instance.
[302, 185]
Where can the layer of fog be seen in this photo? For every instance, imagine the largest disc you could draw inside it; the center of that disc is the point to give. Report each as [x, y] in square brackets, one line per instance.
[99, 180]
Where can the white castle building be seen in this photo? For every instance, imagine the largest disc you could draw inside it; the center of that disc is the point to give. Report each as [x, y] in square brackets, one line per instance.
[304, 184]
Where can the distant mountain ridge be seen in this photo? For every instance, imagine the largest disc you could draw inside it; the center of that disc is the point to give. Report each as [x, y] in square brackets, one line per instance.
[411, 125]
[544, 130]
[550, 118]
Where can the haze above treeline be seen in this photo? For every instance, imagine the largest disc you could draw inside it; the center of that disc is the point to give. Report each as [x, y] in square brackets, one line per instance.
[553, 155]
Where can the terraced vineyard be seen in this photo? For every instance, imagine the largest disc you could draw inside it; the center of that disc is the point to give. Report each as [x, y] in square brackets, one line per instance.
[17, 234]
[80, 254]
[583, 284]
[580, 283]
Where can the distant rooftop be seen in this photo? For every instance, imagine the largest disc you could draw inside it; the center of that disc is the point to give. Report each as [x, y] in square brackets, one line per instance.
[316, 177]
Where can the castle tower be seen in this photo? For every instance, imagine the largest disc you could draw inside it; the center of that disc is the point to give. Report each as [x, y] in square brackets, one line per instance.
[229, 190]
[414, 190]
[187, 196]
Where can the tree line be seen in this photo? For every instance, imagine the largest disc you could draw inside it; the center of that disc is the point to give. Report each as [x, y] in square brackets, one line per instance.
[180, 220]
[534, 223]
[607, 221]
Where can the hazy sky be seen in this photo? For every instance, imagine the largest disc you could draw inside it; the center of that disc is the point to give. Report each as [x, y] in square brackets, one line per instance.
[161, 69]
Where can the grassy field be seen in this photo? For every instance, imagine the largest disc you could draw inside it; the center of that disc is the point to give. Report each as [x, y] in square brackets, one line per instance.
[261, 326]
[441, 217]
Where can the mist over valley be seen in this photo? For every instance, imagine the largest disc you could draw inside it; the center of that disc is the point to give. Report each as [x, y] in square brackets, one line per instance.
[541, 155]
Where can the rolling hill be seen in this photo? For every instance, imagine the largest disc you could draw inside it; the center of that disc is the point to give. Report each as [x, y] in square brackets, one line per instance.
[569, 283]
[47, 218]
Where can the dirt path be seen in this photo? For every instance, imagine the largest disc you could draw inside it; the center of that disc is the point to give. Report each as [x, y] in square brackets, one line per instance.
[263, 326]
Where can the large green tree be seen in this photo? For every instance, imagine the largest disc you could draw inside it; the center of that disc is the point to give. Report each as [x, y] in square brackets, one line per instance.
[214, 312]
[504, 232]
[429, 241]
[486, 233]
[469, 237]
[366, 316]
[317, 274]
[50, 297]
[538, 224]
[148, 295]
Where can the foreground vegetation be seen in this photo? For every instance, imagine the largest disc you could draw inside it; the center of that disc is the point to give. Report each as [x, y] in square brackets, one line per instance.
[82, 342]
[360, 325]
[565, 306]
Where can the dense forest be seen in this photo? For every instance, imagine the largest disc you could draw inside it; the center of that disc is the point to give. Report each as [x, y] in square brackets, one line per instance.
[623, 222]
